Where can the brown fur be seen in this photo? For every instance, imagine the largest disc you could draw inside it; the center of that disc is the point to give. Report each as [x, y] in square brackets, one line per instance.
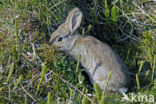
[97, 58]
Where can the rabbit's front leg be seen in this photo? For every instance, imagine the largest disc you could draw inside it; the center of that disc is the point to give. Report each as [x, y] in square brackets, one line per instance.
[87, 75]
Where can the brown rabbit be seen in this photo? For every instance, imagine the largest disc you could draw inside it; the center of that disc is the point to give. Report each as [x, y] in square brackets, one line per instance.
[97, 58]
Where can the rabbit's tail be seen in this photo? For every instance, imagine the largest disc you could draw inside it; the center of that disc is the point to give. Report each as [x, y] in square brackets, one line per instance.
[123, 90]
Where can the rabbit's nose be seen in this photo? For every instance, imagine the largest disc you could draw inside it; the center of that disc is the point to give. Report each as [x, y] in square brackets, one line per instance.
[55, 47]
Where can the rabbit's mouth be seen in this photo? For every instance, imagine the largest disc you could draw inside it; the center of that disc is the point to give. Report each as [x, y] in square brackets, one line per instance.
[57, 48]
[60, 49]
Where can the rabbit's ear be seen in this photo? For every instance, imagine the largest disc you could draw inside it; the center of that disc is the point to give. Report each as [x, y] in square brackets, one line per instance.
[74, 19]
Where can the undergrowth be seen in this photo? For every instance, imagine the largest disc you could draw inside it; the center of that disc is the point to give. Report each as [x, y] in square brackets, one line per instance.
[31, 71]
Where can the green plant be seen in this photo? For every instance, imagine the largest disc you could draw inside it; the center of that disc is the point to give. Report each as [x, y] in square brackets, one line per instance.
[84, 99]
[18, 81]
[114, 14]
[11, 71]
[106, 13]
[43, 72]
[97, 91]
[102, 100]
[16, 29]
[138, 82]
[49, 98]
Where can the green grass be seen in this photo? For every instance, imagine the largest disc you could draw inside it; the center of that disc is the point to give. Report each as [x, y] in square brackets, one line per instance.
[32, 71]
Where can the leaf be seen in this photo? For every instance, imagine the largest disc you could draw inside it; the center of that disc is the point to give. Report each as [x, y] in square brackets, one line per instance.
[114, 14]
[106, 13]
[11, 71]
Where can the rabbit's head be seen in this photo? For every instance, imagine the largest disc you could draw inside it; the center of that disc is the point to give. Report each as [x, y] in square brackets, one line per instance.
[63, 38]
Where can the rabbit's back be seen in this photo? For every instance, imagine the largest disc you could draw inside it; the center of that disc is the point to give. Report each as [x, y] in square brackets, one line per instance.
[99, 59]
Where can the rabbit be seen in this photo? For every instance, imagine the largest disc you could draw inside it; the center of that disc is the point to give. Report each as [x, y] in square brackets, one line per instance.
[97, 59]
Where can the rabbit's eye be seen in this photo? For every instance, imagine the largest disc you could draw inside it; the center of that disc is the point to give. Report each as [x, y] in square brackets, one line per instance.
[60, 39]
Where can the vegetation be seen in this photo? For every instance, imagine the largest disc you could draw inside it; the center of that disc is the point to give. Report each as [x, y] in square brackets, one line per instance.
[31, 71]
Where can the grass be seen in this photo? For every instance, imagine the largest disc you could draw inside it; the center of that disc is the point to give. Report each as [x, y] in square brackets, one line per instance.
[31, 71]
